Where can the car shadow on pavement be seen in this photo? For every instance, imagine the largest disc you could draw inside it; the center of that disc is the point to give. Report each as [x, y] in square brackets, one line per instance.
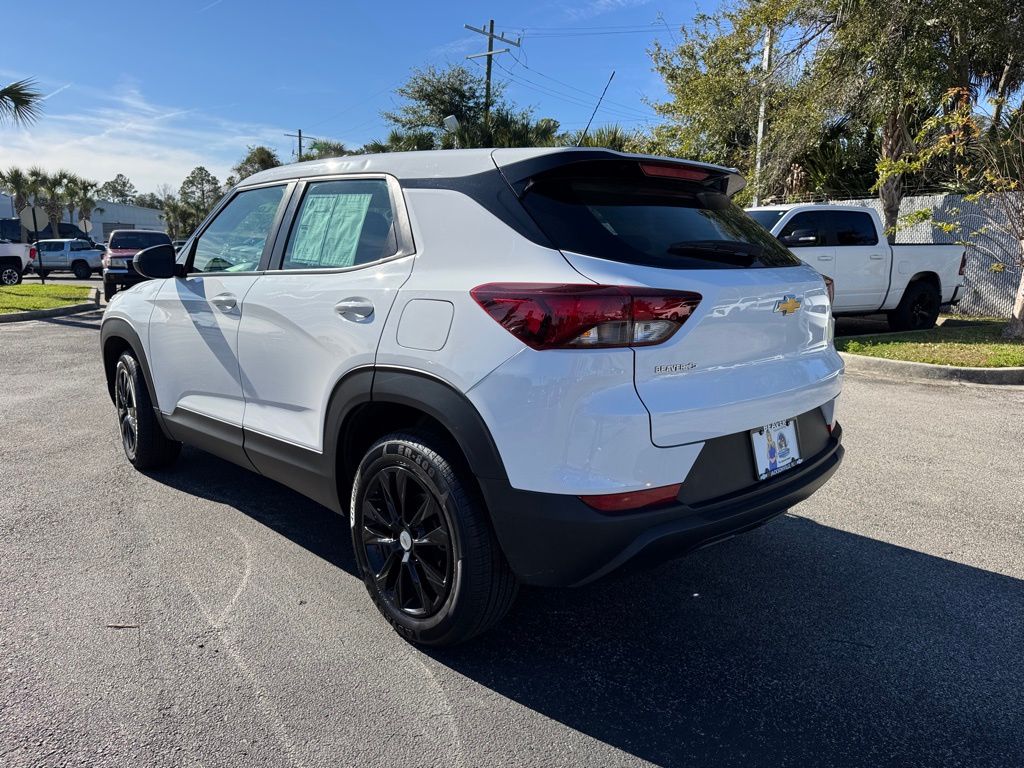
[308, 524]
[795, 644]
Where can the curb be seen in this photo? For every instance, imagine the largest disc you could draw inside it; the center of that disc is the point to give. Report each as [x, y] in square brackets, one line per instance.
[42, 314]
[927, 372]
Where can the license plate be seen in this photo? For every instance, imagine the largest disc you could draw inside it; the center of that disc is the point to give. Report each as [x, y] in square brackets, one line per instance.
[775, 448]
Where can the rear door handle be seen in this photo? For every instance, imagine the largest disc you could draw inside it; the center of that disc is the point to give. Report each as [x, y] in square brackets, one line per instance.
[877, 256]
[224, 301]
[355, 308]
[824, 258]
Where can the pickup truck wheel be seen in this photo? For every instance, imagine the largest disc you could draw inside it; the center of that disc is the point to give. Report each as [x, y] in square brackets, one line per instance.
[144, 442]
[9, 274]
[81, 270]
[424, 544]
[919, 308]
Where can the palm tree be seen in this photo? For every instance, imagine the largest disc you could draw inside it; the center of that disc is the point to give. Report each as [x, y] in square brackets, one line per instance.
[84, 198]
[20, 102]
[15, 182]
[52, 188]
[71, 186]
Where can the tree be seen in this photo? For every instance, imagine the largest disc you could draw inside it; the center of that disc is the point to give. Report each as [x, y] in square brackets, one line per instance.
[321, 149]
[988, 158]
[880, 67]
[19, 185]
[432, 94]
[609, 136]
[199, 192]
[20, 102]
[118, 190]
[149, 200]
[258, 158]
[52, 193]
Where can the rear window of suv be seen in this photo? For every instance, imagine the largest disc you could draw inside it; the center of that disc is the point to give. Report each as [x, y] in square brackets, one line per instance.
[138, 240]
[614, 210]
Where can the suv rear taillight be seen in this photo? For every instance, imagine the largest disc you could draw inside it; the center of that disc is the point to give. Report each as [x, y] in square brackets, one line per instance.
[963, 264]
[545, 316]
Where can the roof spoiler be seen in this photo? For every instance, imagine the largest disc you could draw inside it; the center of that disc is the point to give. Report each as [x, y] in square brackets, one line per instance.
[520, 173]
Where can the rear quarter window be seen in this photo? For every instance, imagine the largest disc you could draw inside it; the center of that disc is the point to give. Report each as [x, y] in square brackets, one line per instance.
[612, 210]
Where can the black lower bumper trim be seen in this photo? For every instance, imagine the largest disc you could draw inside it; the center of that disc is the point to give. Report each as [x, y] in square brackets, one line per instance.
[556, 540]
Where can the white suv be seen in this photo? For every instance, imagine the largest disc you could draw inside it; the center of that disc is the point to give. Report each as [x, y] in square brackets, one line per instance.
[506, 366]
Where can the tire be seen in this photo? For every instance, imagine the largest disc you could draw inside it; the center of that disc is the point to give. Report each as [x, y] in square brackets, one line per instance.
[10, 274]
[81, 270]
[145, 445]
[109, 289]
[919, 308]
[428, 557]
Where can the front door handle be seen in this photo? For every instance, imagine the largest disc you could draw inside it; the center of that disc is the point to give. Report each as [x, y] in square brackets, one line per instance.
[224, 301]
[876, 256]
[355, 308]
[824, 258]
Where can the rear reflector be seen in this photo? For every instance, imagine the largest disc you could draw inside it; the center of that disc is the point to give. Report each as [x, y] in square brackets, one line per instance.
[545, 316]
[633, 500]
[668, 171]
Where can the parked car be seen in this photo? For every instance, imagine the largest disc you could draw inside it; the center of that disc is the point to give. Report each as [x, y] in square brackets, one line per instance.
[512, 366]
[15, 260]
[118, 271]
[910, 283]
[78, 256]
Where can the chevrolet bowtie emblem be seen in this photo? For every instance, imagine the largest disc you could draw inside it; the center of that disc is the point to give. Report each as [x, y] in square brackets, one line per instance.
[787, 305]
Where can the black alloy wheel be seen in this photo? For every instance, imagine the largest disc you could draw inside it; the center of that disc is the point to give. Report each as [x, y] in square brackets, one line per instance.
[127, 409]
[407, 541]
[924, 309]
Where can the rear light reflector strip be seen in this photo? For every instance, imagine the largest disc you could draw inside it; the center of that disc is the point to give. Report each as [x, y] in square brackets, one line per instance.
[632, 501]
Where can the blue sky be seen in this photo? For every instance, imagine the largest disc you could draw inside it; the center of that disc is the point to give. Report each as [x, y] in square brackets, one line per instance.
[153, 89]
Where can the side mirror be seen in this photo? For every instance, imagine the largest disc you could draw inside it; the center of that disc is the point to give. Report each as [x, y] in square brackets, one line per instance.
[157, 262]
[800, 237]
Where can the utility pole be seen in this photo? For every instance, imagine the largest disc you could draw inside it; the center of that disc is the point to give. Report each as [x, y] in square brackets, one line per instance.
[299, 137]
[488, 32]
[766, 65]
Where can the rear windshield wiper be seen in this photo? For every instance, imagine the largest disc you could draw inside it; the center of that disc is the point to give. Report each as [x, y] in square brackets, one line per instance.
[729, 251]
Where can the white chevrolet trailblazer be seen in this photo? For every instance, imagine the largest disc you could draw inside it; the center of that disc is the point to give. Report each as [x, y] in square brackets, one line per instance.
[506, 366]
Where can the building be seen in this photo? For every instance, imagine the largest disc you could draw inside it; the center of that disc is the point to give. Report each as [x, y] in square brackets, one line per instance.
[106, 217]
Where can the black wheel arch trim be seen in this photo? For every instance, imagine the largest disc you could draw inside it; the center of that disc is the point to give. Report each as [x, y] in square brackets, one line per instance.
[321, 475]
[117, 328]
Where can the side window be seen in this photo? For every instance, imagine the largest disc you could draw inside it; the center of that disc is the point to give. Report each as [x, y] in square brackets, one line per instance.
[234, 240]
[342, 224]
[854, 228]
[804, 230]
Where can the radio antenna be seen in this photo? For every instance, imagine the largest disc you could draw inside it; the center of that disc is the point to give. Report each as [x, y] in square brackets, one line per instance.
[596, 107]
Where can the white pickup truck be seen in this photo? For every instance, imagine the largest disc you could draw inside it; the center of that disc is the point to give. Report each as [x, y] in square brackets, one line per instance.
[15, 259]
[910, 283]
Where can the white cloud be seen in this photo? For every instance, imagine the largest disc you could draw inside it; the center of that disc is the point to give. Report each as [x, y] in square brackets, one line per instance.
[123, 132]
[600, 7]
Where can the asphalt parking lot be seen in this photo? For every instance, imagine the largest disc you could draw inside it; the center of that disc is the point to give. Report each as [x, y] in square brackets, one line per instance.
[205, 616]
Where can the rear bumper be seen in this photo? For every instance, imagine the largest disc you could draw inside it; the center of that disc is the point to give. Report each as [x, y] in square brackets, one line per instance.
[557, 540]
